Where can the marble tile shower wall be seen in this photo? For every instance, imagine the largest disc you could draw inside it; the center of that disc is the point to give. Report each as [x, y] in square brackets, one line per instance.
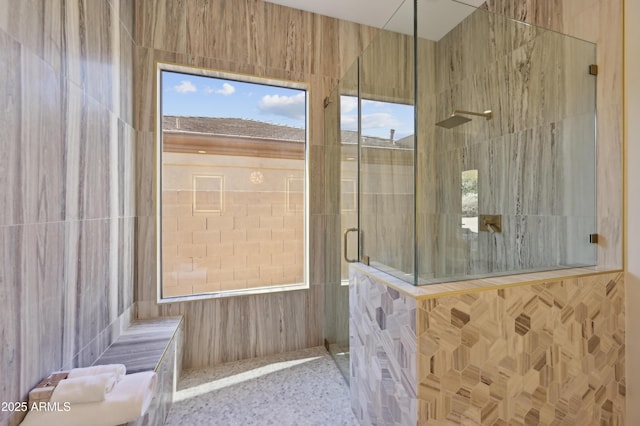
[488, 62]
[265, 40]
[600, 22]
[66, 203]
[526, 155]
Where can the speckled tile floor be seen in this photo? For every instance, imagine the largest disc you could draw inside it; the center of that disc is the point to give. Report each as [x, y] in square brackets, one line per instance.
[296, 388]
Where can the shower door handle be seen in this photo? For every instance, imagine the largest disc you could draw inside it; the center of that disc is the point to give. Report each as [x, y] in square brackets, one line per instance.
[346, 234]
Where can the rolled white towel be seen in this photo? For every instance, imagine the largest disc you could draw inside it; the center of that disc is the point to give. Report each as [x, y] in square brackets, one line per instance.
[119, 370]
[129, 400]
[134, 393]
[84, 388]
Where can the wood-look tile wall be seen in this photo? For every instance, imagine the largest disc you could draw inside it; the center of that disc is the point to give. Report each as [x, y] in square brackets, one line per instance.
[67, 212]
[537, 85]
[535, 157]
[265, 40]
[600, 22]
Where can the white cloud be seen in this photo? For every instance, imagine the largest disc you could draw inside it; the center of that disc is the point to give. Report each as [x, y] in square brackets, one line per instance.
[226, 90]
[185, 86]
[348, 104]
[287, 106]
[378, 120]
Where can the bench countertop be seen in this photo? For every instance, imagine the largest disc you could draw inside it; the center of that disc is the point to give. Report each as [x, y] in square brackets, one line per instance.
[141, 346]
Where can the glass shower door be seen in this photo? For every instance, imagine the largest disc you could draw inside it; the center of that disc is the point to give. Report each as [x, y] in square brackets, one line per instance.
[341, 158]
[388, 151]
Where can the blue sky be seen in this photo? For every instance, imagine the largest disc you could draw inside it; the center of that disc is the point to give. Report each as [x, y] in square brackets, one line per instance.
[378, 118]
[197, 96]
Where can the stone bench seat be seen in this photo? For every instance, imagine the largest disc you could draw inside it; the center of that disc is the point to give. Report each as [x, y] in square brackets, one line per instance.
[150, 345]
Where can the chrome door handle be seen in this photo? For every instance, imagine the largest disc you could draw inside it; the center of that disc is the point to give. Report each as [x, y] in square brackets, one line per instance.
[346, 233]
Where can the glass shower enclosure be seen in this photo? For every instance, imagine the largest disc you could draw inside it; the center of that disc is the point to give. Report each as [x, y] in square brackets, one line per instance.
[475, 153]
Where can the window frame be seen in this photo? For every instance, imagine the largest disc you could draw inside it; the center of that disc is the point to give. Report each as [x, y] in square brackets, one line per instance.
[158, 138]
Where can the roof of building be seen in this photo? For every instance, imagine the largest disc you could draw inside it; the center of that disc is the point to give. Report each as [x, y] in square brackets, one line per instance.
[262, 130]
[232, 127]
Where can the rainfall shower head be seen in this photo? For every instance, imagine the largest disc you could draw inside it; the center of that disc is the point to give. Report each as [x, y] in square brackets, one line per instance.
[453, 121]
[457, 118]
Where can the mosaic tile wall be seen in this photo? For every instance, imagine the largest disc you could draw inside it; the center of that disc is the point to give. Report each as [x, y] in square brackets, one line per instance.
[551, 353]
[383, 353]
[542, 354]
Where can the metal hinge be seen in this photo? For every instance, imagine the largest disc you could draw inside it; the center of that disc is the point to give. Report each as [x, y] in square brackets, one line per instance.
[593, 69]
[593, 238]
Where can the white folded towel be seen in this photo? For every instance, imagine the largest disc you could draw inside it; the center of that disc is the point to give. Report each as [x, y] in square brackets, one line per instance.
[134, 393]
[128, 400]
[84, 388]
[119, 370]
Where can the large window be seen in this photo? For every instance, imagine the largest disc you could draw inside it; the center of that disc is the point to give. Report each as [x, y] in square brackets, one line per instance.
[232, 173]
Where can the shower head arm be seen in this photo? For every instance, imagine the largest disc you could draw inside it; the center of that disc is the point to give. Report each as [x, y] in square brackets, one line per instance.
[487, 114]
